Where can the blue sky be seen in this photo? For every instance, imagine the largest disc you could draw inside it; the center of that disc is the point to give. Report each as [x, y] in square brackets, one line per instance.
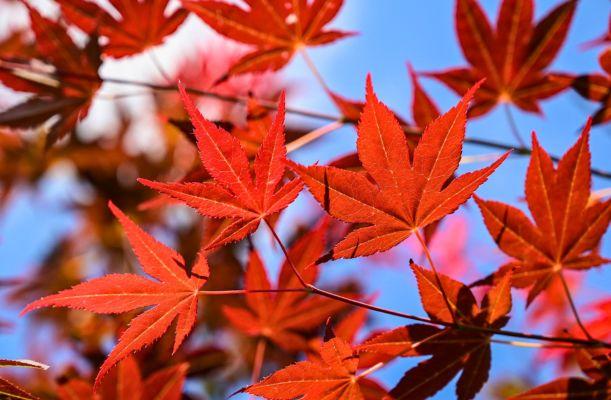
[391, 33]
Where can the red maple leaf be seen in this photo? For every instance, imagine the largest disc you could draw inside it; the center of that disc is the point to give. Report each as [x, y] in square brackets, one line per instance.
[331, 377]
[62, 94]
[276, 28]
[172, 293]
[410, 192]
[567, 228]
[284, 318]
[142, 23]
[513, 57]
[596, 364]
[233, 194]
[452, 350]
[597, 87]
[124, 382]
[9, 390]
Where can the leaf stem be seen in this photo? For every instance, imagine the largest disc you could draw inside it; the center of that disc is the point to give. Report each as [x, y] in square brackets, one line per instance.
[313, 135]
[158, 66]
[314, 70]
[258, 360]
[286, 255]
[569, 297]
[427, 253]
[246, 291]
[370, 370]
[512, 125]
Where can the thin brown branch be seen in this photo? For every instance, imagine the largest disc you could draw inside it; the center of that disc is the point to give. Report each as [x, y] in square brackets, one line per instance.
[268, 104]
[315, 290]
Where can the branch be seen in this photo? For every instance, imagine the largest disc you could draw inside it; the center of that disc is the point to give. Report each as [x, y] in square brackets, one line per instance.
[270, 105]
[315, 290]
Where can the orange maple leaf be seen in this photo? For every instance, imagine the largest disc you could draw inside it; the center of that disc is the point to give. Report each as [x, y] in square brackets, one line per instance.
[452, 350]
[233, 194]
[595, 364]
[172, 292]
[284, 317]
[597, 87]
[142, 23]
[277, 28]
[332, 377]
[124, 382]
[409, 192]
[513, 57]
[568, 227]
[65, 96]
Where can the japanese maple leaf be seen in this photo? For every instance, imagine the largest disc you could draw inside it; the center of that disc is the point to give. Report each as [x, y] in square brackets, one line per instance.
[513, 57]
[124, 382]
[424, 110]
[142, 23]
[276, 28]
[409, 192]
[452, 350]
[332, 377]
[597, 87]
[285, 318]
[172, 294]
[233, 194]
[567, 226]
[63, 95]
[595, 364]
[9, 390]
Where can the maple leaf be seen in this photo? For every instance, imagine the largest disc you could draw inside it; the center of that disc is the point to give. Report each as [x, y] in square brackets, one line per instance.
[513, 57]
[424, 110]
[142, 23]
[233, 194]
[64, 96]
[409, 192]
[276, 28]
[567, 228]
[596, 364]
[173, 294]
[597, 87]
[452, 350]
[9, 390]
[124, 382]
[332, 377]
[284, 318]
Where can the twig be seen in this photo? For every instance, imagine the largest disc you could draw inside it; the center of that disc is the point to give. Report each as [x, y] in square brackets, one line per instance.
[270, 105]
[315, 290]
[518, 343]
